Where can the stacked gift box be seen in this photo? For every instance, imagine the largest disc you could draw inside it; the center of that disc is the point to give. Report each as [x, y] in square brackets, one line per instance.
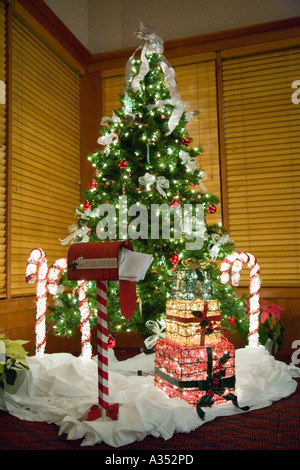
[193, 372]
[194, 362]
[194, 322]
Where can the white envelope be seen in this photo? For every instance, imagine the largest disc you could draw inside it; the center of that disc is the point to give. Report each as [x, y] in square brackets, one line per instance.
[133, 265]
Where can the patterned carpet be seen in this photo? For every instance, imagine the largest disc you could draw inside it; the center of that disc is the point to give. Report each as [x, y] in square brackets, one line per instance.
[276, 427]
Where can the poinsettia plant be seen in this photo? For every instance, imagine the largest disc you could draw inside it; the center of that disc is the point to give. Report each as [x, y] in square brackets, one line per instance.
[270, 325]
[12, 358]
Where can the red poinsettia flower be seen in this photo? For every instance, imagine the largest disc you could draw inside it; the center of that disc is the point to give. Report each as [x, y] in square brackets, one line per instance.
[270, 310]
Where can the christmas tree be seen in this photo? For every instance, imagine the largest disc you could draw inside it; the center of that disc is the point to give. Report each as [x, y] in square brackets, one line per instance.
[147, 188]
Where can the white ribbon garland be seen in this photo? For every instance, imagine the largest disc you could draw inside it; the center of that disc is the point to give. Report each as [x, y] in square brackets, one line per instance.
[203, 176]
[153, 44]
[161, 182]
[191, 225]
[158, 330]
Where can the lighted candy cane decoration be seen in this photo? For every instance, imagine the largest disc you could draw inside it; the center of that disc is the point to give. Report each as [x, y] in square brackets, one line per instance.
[36, 270]
[54, 273]
[86, 348]
[235, 262]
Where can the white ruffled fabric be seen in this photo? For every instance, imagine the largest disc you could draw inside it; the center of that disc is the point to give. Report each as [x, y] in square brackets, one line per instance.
[60, 388]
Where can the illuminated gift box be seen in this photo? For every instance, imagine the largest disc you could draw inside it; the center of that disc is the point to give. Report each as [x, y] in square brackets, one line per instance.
[201, 375]
[193, 322]
[185, 285]
[191, 283]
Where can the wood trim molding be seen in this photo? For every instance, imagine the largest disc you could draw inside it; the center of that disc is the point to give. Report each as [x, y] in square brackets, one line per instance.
[222, 154]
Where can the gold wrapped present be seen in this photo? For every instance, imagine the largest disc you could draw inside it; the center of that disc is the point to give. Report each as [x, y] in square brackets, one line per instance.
[193, 322]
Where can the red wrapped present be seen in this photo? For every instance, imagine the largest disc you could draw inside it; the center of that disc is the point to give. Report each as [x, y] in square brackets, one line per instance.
[201, 375]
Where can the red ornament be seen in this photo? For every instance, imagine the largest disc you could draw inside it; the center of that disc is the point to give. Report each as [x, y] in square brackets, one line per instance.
[175, 204]
[212, 209]
[123, 164]
[87, 205]
[93, 184]
[186, 141]
[174, 259]
[111, 342]
[163, 116]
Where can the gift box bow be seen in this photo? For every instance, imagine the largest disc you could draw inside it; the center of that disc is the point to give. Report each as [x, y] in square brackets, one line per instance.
[208, 324]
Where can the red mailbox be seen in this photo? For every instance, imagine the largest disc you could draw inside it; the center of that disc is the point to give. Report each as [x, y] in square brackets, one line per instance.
[99, 261]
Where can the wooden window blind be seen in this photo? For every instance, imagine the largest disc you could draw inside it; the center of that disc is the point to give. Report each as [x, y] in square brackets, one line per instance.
[45, 166]
[262, 142]
[2, 151]
[197, 87]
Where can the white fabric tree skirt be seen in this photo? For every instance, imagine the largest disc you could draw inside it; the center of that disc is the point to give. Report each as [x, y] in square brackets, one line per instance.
[60, 388]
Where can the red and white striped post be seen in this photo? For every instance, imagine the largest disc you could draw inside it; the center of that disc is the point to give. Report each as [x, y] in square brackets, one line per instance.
[102, 344]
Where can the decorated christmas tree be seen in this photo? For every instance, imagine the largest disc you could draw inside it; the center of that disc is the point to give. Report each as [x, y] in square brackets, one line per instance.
[147, 188]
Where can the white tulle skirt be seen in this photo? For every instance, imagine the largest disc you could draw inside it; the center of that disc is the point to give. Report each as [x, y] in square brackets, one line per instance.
[60, 388]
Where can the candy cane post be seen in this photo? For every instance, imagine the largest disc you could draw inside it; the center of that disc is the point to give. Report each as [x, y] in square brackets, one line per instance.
[99, 261]
[54, 273]
[235, 262]
[36, 271]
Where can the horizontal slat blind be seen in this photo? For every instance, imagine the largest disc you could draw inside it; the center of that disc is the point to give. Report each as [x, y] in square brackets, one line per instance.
[45, 180]
[262, 141]
[197, 87]
[2, 151]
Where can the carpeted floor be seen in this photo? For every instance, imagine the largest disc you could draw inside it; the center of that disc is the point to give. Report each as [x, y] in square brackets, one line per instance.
[272, 428]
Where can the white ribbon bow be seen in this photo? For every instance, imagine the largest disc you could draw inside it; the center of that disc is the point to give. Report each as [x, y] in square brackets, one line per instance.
[186, 160]
[107, 140]
[217, 241]
[161, 182]
[105, 120]
[77, 232]
[158, 330]
[88, 213]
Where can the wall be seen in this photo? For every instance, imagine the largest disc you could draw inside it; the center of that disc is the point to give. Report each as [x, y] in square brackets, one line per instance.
[107, 25]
